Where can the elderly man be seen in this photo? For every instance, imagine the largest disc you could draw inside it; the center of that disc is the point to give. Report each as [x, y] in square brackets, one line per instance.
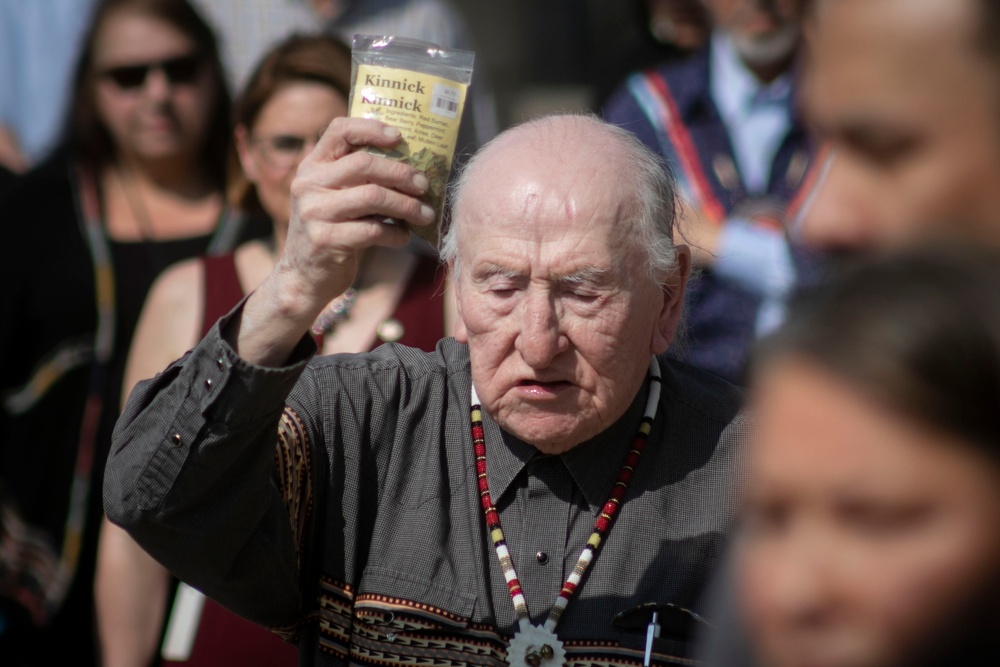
[725, 121]
[504, 497]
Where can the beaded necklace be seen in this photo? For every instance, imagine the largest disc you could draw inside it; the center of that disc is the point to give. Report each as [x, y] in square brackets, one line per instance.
[536, 645]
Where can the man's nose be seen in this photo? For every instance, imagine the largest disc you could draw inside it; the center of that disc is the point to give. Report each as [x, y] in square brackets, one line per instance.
[834, 216]
[541, 338]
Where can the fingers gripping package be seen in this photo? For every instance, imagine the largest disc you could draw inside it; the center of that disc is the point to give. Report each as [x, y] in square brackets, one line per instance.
[419, 88]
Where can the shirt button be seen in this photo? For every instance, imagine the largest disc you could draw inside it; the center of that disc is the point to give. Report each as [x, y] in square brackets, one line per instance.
[208, 384]
[542, 557]
[176, 439]
[220, 362]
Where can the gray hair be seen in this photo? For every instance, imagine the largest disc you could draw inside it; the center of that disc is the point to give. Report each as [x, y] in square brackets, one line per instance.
[653, 202]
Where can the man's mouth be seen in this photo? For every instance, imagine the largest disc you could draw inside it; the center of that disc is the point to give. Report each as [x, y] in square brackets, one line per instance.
[542, 389]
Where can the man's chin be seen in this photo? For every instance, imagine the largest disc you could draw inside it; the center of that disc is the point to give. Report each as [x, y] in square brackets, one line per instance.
[548, 433]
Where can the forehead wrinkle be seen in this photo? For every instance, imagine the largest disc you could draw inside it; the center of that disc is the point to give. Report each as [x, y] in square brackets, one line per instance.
[546, 180]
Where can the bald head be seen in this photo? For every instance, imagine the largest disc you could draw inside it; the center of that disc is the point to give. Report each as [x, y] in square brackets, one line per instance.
[574, 155]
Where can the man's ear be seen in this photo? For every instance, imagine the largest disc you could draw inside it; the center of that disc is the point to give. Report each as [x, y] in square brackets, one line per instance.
[458, 326]
[673, 303]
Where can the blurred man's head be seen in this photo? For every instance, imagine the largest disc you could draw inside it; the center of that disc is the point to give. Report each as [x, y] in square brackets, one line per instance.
[907, 93]
[765, 33]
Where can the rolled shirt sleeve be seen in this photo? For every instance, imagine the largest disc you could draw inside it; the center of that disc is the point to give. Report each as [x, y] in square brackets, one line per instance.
[190, 455]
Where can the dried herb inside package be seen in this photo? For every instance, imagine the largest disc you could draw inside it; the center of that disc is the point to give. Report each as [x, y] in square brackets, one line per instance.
[418, 88]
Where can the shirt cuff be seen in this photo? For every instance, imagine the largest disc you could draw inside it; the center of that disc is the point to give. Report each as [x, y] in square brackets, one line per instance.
[303, 351]
[757, 259]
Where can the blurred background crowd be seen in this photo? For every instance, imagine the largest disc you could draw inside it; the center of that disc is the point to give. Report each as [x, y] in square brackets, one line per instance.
[147, 149]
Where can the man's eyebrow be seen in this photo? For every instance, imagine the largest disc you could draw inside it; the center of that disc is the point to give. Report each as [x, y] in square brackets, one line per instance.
[490, 270]
[590, 275]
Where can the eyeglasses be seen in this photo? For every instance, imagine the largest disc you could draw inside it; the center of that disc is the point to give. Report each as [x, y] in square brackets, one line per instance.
[181, 70]
[284, 151]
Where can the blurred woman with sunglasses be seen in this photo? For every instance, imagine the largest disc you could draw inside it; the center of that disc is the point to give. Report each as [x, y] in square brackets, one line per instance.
[299, 87]
[871, 534]
[139, 186]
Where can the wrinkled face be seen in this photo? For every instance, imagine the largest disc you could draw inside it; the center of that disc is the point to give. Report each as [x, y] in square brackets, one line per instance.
[286, 128]
[559, 311]
[909, 106]
[764, 32]
[166, 113]
[866, 535]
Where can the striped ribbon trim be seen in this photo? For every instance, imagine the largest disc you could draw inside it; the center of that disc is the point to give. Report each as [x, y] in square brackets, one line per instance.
[811, 185]
[43, 582]
[653, 95]
[605, 520]
[104, 282]
[68, 356]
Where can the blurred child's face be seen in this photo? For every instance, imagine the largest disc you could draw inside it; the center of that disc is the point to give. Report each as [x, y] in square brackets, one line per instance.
[868, 538]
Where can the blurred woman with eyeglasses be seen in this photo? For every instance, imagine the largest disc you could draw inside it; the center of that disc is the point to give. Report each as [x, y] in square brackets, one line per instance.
[139, 185]
[294, 94]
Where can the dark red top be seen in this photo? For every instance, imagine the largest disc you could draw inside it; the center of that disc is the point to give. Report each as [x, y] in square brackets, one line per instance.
[420, 311]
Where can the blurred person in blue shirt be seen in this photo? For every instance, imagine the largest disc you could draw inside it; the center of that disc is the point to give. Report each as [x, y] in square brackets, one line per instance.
[725, 120]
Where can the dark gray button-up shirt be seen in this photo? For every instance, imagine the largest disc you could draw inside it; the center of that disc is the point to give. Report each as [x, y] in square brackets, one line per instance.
[361, 535]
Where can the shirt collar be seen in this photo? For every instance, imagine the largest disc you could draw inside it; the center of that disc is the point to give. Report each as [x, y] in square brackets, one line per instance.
[594, 464]
[735, 90]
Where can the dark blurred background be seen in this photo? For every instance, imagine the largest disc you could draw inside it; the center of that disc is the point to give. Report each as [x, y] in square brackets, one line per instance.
[558, 54]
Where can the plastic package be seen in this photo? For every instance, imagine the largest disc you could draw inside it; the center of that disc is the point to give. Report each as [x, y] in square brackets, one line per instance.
[418, 88]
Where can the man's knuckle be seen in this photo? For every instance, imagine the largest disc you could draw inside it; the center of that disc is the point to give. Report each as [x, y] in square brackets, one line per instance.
[373, 196]
[300, 186]
[367, 163]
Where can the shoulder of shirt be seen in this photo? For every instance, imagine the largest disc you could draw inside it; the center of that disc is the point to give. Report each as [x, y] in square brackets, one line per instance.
[448, 358]
[702, 392]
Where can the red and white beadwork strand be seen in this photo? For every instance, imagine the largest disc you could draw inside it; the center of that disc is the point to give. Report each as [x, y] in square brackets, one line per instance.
[604, 522]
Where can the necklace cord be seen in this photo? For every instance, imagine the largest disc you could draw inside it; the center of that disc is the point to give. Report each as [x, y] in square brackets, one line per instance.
[603, 524]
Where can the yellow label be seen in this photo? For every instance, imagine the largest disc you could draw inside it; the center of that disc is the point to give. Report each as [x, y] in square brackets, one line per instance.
[426, 109]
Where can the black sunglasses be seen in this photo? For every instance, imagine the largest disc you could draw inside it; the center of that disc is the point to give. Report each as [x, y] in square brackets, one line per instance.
[179, 70]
